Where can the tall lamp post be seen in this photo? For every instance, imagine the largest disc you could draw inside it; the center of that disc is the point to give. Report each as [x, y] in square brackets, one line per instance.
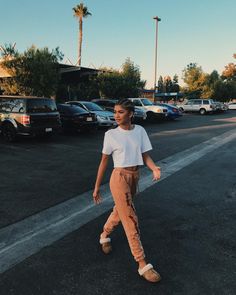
[157, 19]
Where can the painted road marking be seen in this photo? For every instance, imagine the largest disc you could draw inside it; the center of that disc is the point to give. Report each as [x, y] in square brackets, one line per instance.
[20, 240]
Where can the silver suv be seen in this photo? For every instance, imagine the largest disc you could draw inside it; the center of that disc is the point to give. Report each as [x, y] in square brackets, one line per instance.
[202, 106]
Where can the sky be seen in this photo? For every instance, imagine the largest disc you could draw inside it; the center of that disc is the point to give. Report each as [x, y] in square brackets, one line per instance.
[202, 31]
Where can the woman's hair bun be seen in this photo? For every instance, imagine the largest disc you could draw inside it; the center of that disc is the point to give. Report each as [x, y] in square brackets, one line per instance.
[126, 104]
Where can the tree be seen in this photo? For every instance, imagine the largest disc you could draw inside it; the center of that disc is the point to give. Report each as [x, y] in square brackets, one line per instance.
[120, 84]
[194, 78]
[160, 84]
[168, 84]
[224, 90]
[8, 51]
[80, 12]
[35, 72]
[209, 85]
[175, 86]
[132, 83]
[229, 72]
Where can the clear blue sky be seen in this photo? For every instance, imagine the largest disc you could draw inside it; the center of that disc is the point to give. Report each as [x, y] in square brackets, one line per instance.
[202, 31]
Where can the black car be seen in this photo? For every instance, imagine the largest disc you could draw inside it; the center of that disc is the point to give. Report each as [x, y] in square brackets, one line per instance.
[21, 115]
[76, 118]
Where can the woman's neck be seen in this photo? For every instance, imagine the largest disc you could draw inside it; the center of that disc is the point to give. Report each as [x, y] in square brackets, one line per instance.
[127, 126]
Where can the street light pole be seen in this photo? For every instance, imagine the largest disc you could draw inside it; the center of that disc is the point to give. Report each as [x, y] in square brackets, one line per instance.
[157, 19]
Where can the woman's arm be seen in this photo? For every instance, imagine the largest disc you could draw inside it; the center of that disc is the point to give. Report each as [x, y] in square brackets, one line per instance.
[101, 170]
[151, 165]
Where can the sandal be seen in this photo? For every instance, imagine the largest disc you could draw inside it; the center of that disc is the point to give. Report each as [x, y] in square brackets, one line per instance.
[149, 274]
[106, 245]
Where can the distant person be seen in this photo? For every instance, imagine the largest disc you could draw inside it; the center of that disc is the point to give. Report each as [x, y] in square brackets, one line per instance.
[128, 144]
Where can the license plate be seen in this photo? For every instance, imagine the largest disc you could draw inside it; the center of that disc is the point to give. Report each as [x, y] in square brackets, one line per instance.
[48, 129]
[89, 119]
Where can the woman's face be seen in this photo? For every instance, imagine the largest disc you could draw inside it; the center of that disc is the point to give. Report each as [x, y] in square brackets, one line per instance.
[122, 116]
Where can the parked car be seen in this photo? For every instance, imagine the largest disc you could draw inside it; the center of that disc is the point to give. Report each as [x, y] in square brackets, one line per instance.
[104, 118]
[21, 115]
[153, 111]
[232, 106]
[173, 112]
[76, 118]
[220, 106]
[202, 106]
[108, 104]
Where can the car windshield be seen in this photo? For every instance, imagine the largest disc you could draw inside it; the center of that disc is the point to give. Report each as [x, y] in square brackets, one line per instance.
[146, 102]
[92, 106]
[76, 109]
[41, 105]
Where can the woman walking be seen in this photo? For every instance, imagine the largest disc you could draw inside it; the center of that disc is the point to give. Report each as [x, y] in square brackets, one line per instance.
[128, 144]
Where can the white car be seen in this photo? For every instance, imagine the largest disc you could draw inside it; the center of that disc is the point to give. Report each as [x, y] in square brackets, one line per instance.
[202, 106]
[232, 106]
[153, 111]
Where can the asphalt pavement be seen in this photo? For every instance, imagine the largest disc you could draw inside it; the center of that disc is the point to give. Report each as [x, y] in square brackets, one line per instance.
[187, 224]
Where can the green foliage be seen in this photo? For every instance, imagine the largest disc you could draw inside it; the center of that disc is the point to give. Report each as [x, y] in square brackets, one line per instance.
[126, 83]
[81, 11]
[200, 84]
[194, 78]
[8, 51]
[168, 85]
[160, 85]
[224, 90]
[229, 72]
[35, 72]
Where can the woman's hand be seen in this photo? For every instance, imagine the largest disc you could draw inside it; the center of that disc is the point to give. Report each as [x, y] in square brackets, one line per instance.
[156, 173]
[97, 196]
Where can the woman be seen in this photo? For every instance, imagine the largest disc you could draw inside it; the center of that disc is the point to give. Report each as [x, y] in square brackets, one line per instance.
[128, 144]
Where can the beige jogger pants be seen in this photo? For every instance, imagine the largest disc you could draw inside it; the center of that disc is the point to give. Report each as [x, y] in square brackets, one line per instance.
[123, 185]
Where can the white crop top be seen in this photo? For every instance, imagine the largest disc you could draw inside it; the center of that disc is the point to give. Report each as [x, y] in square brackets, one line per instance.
[126, 146]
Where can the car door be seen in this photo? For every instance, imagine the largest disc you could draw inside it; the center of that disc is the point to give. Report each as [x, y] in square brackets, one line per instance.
[188, 106]
[197, 103]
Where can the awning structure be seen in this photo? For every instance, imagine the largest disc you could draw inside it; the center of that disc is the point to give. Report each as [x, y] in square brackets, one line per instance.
[73, 74]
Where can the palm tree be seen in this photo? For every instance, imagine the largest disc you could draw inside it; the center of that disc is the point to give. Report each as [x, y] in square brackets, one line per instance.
[80, 12]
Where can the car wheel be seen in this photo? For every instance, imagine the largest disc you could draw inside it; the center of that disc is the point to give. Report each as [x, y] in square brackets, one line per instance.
[9, 133]
[202, 111]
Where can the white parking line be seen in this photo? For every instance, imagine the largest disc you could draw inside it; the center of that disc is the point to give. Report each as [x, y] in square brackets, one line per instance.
[27, 237]
[188, 130]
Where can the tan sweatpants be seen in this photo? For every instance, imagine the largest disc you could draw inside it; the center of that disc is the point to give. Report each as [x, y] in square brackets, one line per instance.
[123, 184]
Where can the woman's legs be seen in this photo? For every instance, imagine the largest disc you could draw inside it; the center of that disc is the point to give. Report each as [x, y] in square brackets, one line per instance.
[123, 184]
[112, 221]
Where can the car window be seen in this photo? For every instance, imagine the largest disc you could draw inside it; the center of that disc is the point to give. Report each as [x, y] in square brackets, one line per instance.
[36, 105]
[197, 101]
[76, 109]
[206, 102]
[92, 106]
[12, 105]
[146, 102]
[137, 103]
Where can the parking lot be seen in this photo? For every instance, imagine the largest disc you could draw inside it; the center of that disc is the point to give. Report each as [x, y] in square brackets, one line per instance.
[187, 220]
[38, 173]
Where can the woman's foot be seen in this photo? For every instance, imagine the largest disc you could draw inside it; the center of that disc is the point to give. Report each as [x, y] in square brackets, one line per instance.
[106, 245]
[149, 274]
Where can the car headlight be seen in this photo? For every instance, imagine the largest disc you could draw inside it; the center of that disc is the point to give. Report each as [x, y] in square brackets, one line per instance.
[101, 117]
[158, 111]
